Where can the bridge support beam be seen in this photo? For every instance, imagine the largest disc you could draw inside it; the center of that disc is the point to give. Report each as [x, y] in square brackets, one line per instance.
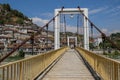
[57, 31]
[68, 40]
[57, 25]
[86, 30]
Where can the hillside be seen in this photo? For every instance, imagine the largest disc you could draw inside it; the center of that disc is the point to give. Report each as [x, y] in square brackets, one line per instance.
[12, 16]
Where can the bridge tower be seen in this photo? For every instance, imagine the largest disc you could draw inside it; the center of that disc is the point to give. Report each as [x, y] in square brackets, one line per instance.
[57, 25]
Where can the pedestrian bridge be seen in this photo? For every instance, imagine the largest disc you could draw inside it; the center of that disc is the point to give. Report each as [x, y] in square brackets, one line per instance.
[62, 64]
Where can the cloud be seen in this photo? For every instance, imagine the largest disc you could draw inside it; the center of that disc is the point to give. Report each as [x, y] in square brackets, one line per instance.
[104, 30]
[115, 31]
[71, 28]
[39, 21]
[118, 7]
[48, 15]
[113, 11]
[94, 11]
[109, 32]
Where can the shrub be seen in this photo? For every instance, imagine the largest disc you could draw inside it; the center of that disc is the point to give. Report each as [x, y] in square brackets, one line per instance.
[21, 53]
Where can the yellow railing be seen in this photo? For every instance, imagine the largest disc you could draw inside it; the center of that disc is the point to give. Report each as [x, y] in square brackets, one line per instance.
[28, 69]
[107, 68]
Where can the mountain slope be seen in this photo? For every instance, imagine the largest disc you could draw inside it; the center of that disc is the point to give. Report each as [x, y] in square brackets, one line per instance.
[11, 16]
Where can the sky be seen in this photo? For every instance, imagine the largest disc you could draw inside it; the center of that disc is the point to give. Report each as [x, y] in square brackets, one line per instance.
[103, 13]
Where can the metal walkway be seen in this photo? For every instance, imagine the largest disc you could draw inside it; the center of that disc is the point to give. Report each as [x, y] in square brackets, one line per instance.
[69, 67]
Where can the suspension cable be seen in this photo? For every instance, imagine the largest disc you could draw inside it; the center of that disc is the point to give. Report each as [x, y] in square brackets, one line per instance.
[53, 28]
[103, 44]
[47, 35]
[78, 19]
[77, 24]
[60, 22]
[98, 29]
[39, 30]
[92, 35]
[65, 30]
[32, 42]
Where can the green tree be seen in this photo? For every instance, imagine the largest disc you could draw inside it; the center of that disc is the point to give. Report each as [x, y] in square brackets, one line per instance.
[21, 53]
[7, 7]
[20, 21]
[2, 22]
[115, 37]
[91, 45]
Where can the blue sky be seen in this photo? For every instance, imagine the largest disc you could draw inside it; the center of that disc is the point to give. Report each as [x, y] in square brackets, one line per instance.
[104, 13]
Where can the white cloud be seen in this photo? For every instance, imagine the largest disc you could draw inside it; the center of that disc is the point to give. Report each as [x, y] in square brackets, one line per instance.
[109, 32]
[39, 21]
[115, 31]
[48, 15]
[71, 29]
[118, 7]
[94, 11]
[104, 30]
[113, 11]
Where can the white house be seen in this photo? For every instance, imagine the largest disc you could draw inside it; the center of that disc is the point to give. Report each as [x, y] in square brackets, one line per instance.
[97, 41]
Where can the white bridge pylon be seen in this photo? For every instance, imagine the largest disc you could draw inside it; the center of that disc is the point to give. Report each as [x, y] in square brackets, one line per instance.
[68, 40]
[57, 25]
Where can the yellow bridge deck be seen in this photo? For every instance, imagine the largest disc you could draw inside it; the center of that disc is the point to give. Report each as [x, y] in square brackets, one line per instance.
[69, 67]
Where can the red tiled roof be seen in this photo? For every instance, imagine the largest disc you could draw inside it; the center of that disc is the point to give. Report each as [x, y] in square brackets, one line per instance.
[10, 29]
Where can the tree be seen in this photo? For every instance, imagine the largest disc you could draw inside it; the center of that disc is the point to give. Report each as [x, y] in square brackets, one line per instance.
[7, 7]
[116, 38]
[11, 16]
[91, 45]
[21, 53]
[2, 22]
[20, 21]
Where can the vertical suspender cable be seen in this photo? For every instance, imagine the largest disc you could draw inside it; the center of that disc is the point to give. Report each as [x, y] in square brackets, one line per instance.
[32, 41]
[82, 30]
[99, 30]
[53, 31]
[77, 27]
[103, 44]
[61, 27]
[47, 35]
[92, 35]
[77, 24]
[65, 31]
[60, 22]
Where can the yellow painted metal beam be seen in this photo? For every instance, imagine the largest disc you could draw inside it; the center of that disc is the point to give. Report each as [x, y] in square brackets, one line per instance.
[30, 68]
[107, 68]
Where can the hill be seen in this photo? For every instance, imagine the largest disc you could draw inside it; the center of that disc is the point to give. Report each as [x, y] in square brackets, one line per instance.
[12, 16]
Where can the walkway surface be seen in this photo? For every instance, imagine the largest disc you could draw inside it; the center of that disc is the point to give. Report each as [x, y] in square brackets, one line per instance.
[69, 67]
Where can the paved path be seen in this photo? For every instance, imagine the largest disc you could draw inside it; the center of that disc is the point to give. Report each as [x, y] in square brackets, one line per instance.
[69, 67]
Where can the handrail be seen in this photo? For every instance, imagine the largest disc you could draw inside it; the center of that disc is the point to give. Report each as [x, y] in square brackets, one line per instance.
[29, 68]
[107, 68]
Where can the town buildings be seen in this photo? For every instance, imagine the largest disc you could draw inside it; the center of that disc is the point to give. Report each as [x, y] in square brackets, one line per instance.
[12, 36]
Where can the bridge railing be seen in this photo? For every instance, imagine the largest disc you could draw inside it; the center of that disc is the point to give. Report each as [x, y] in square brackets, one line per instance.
[28, 69]
[107, 68]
